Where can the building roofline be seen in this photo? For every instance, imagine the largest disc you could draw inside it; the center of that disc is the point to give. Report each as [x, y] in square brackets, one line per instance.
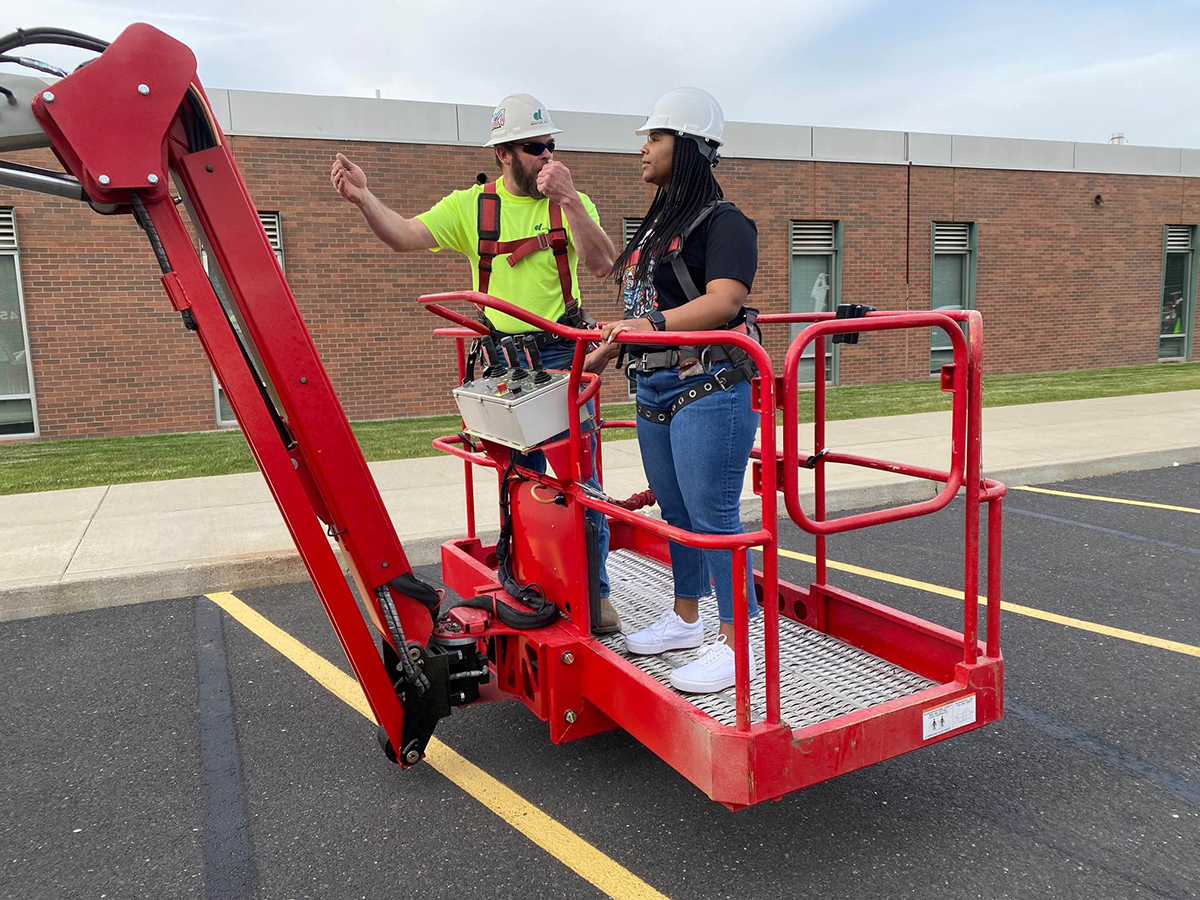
[306, 116]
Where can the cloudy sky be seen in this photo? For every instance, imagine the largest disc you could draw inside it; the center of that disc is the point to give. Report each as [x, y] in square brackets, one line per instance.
[1057, 70]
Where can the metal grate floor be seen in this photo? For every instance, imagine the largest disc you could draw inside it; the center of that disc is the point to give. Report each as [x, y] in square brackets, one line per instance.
[820, 677]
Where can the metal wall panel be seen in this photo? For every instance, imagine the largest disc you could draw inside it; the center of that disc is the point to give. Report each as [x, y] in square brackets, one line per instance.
[407, 121]
[858, 145]
[1127, 159]
[926, 149]
[756, 141]
[1012, 153]
[342, 118]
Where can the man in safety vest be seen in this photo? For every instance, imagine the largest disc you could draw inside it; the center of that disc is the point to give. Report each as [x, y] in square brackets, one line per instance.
[524, 234]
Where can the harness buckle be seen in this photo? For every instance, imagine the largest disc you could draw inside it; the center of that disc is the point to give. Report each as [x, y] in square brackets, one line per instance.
[557, 240]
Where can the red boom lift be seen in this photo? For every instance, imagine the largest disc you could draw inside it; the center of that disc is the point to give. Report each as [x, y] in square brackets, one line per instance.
[847, 682]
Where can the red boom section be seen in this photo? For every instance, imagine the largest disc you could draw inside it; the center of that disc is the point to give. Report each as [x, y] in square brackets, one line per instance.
[121, 142]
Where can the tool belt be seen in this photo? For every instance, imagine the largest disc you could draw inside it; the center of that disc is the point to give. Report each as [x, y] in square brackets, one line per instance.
[576, 317]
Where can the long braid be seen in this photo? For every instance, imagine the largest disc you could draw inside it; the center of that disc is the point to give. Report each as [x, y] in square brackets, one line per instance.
[692, 186]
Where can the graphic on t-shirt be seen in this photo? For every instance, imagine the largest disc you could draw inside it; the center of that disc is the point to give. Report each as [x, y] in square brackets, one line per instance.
[640, 298]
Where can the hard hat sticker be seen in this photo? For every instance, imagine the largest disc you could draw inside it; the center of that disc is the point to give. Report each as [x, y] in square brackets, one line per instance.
[498, 119]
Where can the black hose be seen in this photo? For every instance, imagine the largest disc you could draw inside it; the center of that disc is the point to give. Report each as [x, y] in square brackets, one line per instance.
[200, 133]
[24, 37]
[143, 219]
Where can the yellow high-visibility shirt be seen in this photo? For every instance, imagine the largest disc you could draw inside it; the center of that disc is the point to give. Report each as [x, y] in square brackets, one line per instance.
[533, 283]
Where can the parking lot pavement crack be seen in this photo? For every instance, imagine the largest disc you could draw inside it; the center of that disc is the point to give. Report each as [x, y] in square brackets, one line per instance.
[1128, 535]
[229, 868]
[1131, 763]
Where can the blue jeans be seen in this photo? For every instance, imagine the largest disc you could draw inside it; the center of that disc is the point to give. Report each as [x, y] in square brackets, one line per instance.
[559, 356]
[696, 465]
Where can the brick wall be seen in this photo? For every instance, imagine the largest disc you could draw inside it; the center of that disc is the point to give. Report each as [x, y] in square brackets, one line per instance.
[1062, 283]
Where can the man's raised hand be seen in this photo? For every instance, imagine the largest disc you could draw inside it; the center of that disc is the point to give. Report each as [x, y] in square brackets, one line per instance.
[349, 180]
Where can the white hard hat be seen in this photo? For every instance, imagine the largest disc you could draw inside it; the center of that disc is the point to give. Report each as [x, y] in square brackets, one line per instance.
[689, 111]
[520, 117]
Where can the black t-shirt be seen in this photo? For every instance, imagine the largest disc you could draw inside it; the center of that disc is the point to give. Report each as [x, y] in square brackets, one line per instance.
[724, 245]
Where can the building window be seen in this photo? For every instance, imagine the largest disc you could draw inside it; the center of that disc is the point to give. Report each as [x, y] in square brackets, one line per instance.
[272, 226]
[815, 286]
[952, 282]
[18, 406]
[1176, 314]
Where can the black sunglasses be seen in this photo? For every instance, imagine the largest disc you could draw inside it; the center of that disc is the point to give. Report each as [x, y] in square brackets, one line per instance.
[537, 148]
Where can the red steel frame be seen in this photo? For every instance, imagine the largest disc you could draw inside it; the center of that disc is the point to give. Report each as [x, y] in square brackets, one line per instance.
[754, 761]
[100, 124]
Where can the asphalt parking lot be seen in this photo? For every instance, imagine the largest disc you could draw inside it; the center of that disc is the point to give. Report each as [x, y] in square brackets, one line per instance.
[165, 750]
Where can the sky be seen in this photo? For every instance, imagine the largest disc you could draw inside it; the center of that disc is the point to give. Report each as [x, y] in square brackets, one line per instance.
[1050, 70]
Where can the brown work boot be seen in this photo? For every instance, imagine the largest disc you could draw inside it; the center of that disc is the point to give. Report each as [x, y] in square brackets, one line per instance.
[609, 621]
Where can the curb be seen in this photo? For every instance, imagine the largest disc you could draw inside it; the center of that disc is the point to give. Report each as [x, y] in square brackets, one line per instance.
[186, 580]
[245, 573]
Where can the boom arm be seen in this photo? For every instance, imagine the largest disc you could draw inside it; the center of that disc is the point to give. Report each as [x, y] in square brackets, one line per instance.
[120, 126]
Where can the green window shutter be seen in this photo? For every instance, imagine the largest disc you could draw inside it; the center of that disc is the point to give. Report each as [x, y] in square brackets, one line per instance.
[951, 237]
[814, 237]
[630, 229]
[273, 227]
[1179, 238]
[8, 230]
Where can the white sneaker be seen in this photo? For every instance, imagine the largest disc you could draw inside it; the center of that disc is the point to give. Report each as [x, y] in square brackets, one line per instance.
[712, 670]
[669, 633]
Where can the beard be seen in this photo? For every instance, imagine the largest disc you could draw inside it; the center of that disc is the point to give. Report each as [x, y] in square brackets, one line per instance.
[525, 179]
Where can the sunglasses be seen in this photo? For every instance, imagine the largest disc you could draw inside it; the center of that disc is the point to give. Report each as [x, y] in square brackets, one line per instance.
[537, 148]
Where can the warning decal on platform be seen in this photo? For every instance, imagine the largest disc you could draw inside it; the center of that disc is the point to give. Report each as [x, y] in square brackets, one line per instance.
[942, 719]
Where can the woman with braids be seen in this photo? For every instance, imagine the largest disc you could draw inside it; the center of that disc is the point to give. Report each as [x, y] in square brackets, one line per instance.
[695, 426]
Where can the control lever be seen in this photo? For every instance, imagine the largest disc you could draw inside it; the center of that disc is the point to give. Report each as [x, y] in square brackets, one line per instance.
[540, 375]
[509, 344]
[491, 353]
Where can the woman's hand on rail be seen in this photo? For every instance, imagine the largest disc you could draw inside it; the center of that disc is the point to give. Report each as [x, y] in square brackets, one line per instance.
[610, 330]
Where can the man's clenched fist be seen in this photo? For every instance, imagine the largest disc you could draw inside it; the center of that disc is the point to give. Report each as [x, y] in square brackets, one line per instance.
[554, 181]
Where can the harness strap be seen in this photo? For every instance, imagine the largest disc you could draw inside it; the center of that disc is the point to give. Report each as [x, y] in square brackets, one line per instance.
[674, 252]
[670, 357]
[490, 245]
[488, 227]
[558, 243]
[718, 381]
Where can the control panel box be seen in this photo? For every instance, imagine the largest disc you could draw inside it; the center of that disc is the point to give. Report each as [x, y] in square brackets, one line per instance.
[520, 414]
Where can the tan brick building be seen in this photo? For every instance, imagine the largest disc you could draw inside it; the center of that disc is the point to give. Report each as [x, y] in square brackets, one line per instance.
[1078, 255]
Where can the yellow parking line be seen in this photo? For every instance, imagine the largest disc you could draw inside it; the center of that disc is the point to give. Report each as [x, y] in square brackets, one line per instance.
[556, 839]
[1039, 490]
[1069, 621]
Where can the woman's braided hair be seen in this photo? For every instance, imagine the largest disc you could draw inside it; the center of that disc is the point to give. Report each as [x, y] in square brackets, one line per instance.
[691, 188]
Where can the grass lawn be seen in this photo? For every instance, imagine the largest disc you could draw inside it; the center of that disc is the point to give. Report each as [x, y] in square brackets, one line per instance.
[52, 465]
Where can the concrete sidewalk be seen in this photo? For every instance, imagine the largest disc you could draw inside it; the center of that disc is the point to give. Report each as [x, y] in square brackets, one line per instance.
[90, 547]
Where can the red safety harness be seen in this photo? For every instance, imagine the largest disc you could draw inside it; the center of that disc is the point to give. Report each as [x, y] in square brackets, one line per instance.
[490, 245]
